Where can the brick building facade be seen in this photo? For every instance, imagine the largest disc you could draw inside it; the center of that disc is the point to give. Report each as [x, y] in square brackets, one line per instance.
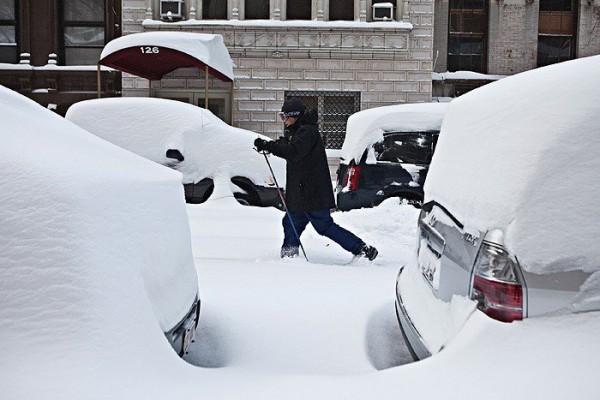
[49, 49]
[505, 37]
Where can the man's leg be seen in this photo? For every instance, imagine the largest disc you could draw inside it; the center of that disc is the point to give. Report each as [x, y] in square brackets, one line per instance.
[291, 242]
[324, 225]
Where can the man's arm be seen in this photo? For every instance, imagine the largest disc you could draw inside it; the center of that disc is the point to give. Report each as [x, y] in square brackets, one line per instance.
[296, 149]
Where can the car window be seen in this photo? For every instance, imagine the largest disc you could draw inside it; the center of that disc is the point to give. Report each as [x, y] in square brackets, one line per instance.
[406, 147]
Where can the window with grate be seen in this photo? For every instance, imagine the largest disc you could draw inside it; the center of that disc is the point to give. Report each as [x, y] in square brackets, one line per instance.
[84, 33]
[298, 9]
[8, 31]
[556, 31]
[214, 9]
[467, 35]
[341, 10]
[333, 109]
[256, 9]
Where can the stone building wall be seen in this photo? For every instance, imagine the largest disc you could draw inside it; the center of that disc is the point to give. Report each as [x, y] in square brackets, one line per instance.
[440, 36]
[589, 29]
[387, 62]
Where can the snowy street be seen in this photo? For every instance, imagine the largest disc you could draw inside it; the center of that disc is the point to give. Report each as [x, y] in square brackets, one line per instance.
[330, 316]
[90, 285]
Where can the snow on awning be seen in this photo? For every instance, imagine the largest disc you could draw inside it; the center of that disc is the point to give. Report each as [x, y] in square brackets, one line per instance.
[151, 55]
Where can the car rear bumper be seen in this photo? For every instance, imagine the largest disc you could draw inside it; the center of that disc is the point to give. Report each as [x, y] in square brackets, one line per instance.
[355, 199]
[183, 333]
[411, 335]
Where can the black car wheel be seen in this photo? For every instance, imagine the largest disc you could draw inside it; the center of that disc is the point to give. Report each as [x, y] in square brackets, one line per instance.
[247, 199]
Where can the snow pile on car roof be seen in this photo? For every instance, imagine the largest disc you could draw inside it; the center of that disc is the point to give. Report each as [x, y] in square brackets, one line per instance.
[521, 154]
[368, 126]
[88, 232]
[151, 126]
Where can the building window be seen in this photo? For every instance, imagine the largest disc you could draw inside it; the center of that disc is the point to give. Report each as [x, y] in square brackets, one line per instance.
[8, 31]
[333, 109]
[556, 31]
[214, 9]
[298, 9]
[341, 10]
[256, 9]
[84, 33]
[467, 35]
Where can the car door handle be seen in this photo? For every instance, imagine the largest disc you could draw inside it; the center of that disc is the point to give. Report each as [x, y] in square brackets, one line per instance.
[435, 241]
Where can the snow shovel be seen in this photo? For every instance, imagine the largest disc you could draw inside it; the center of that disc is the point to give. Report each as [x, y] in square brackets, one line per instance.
[287, 212]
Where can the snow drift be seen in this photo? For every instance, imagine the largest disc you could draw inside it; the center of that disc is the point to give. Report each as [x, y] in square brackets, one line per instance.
[95, 258]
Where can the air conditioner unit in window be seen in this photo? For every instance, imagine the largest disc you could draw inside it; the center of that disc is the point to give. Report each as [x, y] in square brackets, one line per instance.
[171, 9]
[383, 12]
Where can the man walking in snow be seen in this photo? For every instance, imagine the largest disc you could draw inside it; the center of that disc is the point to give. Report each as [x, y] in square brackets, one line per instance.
[308, 191]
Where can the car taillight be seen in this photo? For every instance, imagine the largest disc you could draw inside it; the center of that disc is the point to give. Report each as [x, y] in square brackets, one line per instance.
[496, 286]
[351, 177]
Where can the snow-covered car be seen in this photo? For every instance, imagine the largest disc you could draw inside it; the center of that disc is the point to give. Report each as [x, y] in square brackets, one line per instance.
[215, 158]
[510, 221]
[386, 154]
[95, 243]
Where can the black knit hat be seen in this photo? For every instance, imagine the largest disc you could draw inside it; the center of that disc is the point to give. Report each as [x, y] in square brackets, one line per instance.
[293, 108]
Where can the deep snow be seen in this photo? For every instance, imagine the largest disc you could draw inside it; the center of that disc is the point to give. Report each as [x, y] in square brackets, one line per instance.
[76, 321]
[326, 329]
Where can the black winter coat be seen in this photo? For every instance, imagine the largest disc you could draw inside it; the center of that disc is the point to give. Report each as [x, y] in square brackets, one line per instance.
[308, 182]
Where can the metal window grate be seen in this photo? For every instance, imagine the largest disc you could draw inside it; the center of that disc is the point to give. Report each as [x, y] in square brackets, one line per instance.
[333, 108]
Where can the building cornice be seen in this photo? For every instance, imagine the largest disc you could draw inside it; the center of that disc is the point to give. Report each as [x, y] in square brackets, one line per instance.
[282, 25]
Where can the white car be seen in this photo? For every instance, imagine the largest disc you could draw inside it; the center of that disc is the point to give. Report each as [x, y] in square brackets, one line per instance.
[95, 241]
[510, 222]
[215, 159]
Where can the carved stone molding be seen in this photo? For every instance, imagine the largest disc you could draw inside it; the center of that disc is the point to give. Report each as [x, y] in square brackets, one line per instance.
[316, 40]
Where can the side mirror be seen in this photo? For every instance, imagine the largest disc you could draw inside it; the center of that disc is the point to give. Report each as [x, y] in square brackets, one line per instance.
[175, 154]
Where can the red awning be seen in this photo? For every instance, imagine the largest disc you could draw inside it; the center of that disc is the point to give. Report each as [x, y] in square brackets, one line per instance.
[154, 65]
[151, 55]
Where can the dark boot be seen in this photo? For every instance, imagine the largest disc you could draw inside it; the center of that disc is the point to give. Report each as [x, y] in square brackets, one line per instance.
[289, 251]
[368, 252]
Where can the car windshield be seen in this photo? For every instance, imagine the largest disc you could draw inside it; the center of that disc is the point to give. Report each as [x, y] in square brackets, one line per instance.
[406, 147]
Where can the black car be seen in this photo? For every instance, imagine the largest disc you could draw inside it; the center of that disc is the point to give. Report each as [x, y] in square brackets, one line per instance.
[395, 162]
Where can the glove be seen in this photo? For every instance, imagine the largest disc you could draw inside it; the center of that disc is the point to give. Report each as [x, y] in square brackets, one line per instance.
[262, 145]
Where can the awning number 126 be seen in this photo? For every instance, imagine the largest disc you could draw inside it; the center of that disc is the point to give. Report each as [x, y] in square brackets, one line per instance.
[150, 50]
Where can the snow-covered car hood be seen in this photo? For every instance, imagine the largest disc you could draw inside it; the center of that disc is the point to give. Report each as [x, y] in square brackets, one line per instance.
[151, 126]
[95, 240]
[368, 126]
[521, 155]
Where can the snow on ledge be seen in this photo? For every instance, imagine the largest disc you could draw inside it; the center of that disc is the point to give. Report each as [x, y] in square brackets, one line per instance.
[51, 67]
[271, 23]
[465, 75]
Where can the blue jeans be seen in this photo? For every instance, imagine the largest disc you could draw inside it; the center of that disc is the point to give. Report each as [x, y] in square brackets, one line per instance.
[324, 225]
